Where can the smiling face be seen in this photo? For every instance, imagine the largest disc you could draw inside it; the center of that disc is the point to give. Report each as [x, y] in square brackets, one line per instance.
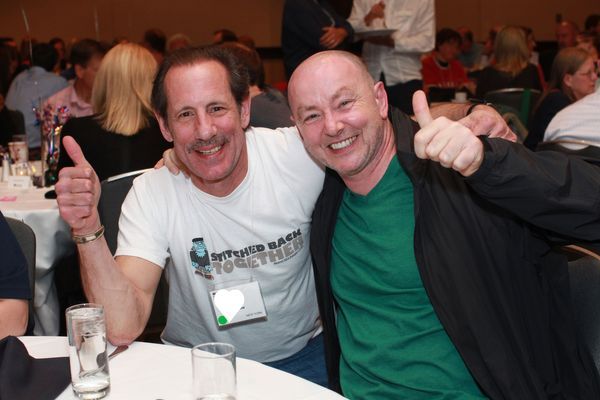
[341, 114]
[207, 126]
[449, 50]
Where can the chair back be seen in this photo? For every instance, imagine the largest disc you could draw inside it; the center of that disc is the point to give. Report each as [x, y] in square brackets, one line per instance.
[26, 239]
[18, 122]
[585, 293]
[589, 152]
[114, 191]
[440, 94]
[519, 99]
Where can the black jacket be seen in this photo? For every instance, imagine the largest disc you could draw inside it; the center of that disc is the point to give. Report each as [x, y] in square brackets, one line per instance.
[302, 27]
[483, 246]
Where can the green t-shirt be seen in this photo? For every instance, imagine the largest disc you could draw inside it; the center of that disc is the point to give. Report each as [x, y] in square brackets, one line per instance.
[393, 345]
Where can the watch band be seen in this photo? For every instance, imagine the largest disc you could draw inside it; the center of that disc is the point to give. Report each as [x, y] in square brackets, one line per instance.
[90, 237]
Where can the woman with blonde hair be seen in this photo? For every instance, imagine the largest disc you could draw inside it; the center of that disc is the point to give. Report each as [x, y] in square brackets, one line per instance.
[123, 134]
[573, 77]
[511, 67]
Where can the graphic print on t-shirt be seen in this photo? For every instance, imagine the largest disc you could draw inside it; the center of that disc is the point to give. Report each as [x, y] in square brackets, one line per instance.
[199, 258]
[254, 256]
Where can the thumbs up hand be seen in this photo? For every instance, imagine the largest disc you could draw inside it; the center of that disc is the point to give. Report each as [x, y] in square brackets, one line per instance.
[78, 191]
[447, 142]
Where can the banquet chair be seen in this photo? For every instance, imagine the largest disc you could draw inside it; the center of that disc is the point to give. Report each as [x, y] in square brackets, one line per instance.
[18, 122]
[114, 191]
[519, 99]
[26, 239]
[584, 275]
[590, 152]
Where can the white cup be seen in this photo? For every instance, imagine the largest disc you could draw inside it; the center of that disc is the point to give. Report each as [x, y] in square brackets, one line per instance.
[19, 152]
[86, 331]
[213, 369]
[460, 97]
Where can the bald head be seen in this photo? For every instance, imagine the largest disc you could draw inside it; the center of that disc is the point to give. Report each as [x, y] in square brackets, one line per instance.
[566, 34]
[342, 115]
[324, 66]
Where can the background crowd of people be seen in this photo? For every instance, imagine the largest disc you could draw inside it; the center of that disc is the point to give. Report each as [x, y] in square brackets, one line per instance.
[257, 158]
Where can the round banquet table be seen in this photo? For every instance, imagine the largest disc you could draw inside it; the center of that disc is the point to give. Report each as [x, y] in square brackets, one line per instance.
[53, 243]
[155, 371]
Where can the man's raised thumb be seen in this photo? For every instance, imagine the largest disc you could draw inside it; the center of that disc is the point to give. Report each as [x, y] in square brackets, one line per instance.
[74, 151]
[421, 109]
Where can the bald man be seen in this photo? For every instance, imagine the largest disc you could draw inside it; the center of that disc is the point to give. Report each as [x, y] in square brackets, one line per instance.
[566, 36]
[432, 249]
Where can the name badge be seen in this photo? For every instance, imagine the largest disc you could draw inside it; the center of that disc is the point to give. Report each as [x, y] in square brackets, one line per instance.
[238, 303]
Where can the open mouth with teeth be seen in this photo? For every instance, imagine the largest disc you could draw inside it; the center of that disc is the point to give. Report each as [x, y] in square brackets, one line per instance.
[343, 144]
[209, 151]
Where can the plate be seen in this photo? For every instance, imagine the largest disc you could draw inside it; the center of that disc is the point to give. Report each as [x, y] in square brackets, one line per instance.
[374, 32]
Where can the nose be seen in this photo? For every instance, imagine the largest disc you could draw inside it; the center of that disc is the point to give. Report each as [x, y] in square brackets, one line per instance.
[205, 126]
[331, 125]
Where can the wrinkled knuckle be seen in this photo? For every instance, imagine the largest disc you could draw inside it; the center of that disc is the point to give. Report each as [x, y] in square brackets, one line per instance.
[444, 158]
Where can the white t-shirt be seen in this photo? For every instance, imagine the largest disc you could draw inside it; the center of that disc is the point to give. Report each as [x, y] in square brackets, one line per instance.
[579, 121]
[267, 216]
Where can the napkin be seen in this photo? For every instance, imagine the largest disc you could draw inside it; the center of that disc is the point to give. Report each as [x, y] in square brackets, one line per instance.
[23, 377]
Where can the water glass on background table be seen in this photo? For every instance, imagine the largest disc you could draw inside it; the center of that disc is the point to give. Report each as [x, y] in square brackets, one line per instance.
[213, 366]
[86, 331]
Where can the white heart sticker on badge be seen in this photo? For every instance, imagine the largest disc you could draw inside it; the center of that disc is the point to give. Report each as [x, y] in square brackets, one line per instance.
[229, 302]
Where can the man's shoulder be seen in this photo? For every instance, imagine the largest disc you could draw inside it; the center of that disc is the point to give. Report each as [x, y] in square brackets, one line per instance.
[49, 77]
[157, 184]
[428, 61]
[590, 102]
[268, 136]
[61, 97]
[158, 177]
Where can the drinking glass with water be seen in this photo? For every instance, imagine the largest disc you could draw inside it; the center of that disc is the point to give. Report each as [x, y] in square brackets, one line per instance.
[86, 330]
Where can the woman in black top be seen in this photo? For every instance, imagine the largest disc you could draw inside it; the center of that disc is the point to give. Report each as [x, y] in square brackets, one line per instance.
[123, 134]
[511, 68]
[572, 78]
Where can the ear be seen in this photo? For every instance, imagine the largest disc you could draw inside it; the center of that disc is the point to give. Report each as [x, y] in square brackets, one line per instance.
[381, 99]
[78, 71]
[245, 112]
[568, 80]
[164, 127]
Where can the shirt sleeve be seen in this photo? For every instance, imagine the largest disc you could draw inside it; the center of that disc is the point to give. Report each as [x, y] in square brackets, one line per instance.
[360, 9]
[14, 277]
[420, 37]
[547, 189]
[142, 225]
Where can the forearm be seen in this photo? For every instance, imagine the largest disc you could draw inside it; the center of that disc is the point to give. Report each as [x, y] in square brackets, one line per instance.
[14, 315]
[546, 189]
[105, 283]
[453, 111]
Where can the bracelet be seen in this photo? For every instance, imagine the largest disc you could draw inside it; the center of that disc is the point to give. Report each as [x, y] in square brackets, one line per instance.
[90, 237]
[475, 104]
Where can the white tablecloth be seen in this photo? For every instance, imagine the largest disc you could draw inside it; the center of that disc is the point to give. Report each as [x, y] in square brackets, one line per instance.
[154, 371]
[53, 242]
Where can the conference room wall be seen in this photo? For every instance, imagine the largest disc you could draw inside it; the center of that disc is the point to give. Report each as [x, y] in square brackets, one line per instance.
[259, 18]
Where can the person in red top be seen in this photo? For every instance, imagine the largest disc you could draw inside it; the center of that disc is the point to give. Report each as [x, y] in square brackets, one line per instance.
[441, 69]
